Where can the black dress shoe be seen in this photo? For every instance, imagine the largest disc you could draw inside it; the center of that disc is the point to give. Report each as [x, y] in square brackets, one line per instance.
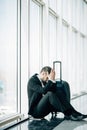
[75, 117]
[78, 118]
[67, 117]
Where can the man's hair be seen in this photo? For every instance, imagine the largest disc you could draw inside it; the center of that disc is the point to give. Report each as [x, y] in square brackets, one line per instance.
[46, 69]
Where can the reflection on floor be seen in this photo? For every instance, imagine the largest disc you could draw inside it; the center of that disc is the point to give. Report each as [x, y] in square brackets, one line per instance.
[58, 123]
[35, 124]
[44, 124]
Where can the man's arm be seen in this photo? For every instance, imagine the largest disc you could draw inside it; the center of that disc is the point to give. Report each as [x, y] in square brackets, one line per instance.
[36, 86]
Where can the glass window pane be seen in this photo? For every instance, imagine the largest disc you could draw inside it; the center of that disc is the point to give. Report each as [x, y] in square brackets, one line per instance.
[8, 56]
[52, 38]
[64, 51]
[59, 5]
[74, 48]
[65, 9]
[52, 4]
[74, 12]
[35, 36]
[85, 18]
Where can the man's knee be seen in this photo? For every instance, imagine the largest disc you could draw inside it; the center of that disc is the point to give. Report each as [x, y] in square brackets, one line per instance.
[50, 93]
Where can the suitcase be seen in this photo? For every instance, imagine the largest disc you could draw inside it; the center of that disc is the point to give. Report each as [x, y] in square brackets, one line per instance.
[61, 84]
[57, 66]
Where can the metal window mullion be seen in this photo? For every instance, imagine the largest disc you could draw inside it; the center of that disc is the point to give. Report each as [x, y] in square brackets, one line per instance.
[41, 35]
[19, 59]
[40, 2]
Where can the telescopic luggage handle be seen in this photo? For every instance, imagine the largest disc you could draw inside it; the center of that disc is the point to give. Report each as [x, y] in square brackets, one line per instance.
[57, 66]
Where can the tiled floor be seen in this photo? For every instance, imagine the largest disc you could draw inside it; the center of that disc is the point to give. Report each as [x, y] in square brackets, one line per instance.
[72, 125]
[58, 124]
[81, 105]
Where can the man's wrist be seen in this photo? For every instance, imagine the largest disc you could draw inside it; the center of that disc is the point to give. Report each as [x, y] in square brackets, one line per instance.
[52, 80]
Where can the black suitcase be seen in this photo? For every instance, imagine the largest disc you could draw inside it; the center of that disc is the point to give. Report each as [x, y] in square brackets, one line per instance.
[61, 84]
[57, 66]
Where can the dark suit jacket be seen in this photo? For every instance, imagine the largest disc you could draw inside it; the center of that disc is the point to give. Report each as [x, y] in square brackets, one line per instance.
[35, 91]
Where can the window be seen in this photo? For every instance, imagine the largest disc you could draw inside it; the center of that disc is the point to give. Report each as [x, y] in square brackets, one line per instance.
[81, 64]
[35, 36]
[52, 4]
[8, 57]
[65, 9]
[59, 7]
[85, 19]
[64, 50]
[74, 61]
[82, 18]
[52, 38]
[74, 12]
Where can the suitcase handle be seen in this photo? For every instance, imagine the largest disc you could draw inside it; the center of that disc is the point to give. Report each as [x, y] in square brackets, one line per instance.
[60, 71]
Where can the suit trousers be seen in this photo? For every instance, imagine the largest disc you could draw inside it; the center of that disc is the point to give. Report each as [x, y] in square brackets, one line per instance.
[52, 102]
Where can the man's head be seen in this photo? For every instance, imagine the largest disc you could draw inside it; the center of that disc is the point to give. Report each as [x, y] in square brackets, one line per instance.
[44, 73]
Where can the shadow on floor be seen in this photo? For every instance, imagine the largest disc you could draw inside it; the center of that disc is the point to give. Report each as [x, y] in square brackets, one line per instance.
[44, 124]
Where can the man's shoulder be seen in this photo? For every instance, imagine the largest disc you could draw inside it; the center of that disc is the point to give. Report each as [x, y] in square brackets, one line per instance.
[34, 76]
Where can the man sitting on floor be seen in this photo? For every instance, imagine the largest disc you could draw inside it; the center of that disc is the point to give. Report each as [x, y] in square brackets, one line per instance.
[43, 97]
